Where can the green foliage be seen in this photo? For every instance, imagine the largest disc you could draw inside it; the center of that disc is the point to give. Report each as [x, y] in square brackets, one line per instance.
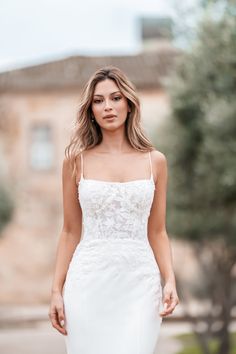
[6, 207]
[200, 144]
[225, 5]
[191, 347]
[202, 196]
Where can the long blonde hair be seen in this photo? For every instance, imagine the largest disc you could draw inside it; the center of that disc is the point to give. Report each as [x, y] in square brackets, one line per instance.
[87, 134]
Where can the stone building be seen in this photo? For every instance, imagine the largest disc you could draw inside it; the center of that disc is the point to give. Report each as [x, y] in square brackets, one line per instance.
[38, 106]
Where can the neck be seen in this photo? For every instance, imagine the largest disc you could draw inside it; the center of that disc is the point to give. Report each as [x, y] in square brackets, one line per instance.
[114, 142]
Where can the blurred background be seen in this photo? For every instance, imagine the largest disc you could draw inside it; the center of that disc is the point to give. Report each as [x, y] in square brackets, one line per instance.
[182, 59]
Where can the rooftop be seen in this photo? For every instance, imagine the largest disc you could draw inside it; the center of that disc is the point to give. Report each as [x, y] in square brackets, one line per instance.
[145, 70]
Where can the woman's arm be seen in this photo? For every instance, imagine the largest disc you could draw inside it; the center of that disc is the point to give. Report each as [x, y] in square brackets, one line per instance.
[157, 234]
[68, 240]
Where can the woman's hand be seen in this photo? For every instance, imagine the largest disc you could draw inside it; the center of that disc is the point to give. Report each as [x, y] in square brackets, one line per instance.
[56, 313]
[170, 299]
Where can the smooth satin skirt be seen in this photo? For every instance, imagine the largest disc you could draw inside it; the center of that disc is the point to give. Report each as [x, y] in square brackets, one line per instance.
[112, 299]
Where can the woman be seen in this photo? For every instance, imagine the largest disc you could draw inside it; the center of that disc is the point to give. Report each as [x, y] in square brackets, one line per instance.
[113, 250]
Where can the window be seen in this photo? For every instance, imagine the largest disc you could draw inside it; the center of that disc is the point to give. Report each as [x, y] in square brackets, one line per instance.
[41, 147]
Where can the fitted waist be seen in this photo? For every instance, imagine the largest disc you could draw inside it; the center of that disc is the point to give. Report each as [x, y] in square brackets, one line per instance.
[88, 240]
[95, 248]
[115, 236]
[119, 256]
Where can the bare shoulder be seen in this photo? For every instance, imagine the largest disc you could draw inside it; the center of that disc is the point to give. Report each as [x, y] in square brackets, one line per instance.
[158, 157]
[159, 162]
[68, 166]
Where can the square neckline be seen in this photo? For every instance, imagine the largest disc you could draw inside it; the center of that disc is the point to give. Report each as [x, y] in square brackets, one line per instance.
[82, 179]
[116, 182]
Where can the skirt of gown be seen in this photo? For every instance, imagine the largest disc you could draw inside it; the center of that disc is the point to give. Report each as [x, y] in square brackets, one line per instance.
[112, 298]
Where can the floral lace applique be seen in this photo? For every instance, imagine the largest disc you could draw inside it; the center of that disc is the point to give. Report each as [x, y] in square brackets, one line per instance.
[115, 210]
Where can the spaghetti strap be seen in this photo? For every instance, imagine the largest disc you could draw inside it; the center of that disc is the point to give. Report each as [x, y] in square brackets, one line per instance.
[150, 160]
[81, 167]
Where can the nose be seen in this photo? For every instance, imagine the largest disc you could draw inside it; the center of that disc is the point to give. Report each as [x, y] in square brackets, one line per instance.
[107, 105]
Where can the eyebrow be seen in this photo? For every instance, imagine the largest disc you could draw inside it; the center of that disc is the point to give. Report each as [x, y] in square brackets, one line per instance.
[111, 93]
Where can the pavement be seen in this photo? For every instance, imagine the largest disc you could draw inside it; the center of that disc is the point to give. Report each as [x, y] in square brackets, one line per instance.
[44, 339]
[27, 330]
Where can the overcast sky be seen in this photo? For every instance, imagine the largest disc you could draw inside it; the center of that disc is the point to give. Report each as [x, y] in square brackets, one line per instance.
[35, 31]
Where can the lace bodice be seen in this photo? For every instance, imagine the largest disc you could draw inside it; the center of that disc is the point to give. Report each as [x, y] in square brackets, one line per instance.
[115, 210]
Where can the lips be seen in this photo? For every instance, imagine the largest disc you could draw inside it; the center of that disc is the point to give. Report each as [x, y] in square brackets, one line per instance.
[110, 116]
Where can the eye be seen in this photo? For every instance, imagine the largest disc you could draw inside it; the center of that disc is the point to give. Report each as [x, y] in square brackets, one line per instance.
[97, 101]
[117, 98]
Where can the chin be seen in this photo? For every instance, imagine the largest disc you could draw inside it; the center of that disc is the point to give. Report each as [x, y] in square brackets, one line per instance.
[114, 125]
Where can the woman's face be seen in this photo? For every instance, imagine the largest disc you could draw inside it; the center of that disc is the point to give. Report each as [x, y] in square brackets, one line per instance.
[109, 101]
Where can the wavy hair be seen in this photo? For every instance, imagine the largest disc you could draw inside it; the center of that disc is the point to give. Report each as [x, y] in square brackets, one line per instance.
[87, 134]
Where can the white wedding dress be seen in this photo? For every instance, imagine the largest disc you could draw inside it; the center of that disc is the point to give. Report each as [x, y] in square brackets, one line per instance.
[112, 293]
